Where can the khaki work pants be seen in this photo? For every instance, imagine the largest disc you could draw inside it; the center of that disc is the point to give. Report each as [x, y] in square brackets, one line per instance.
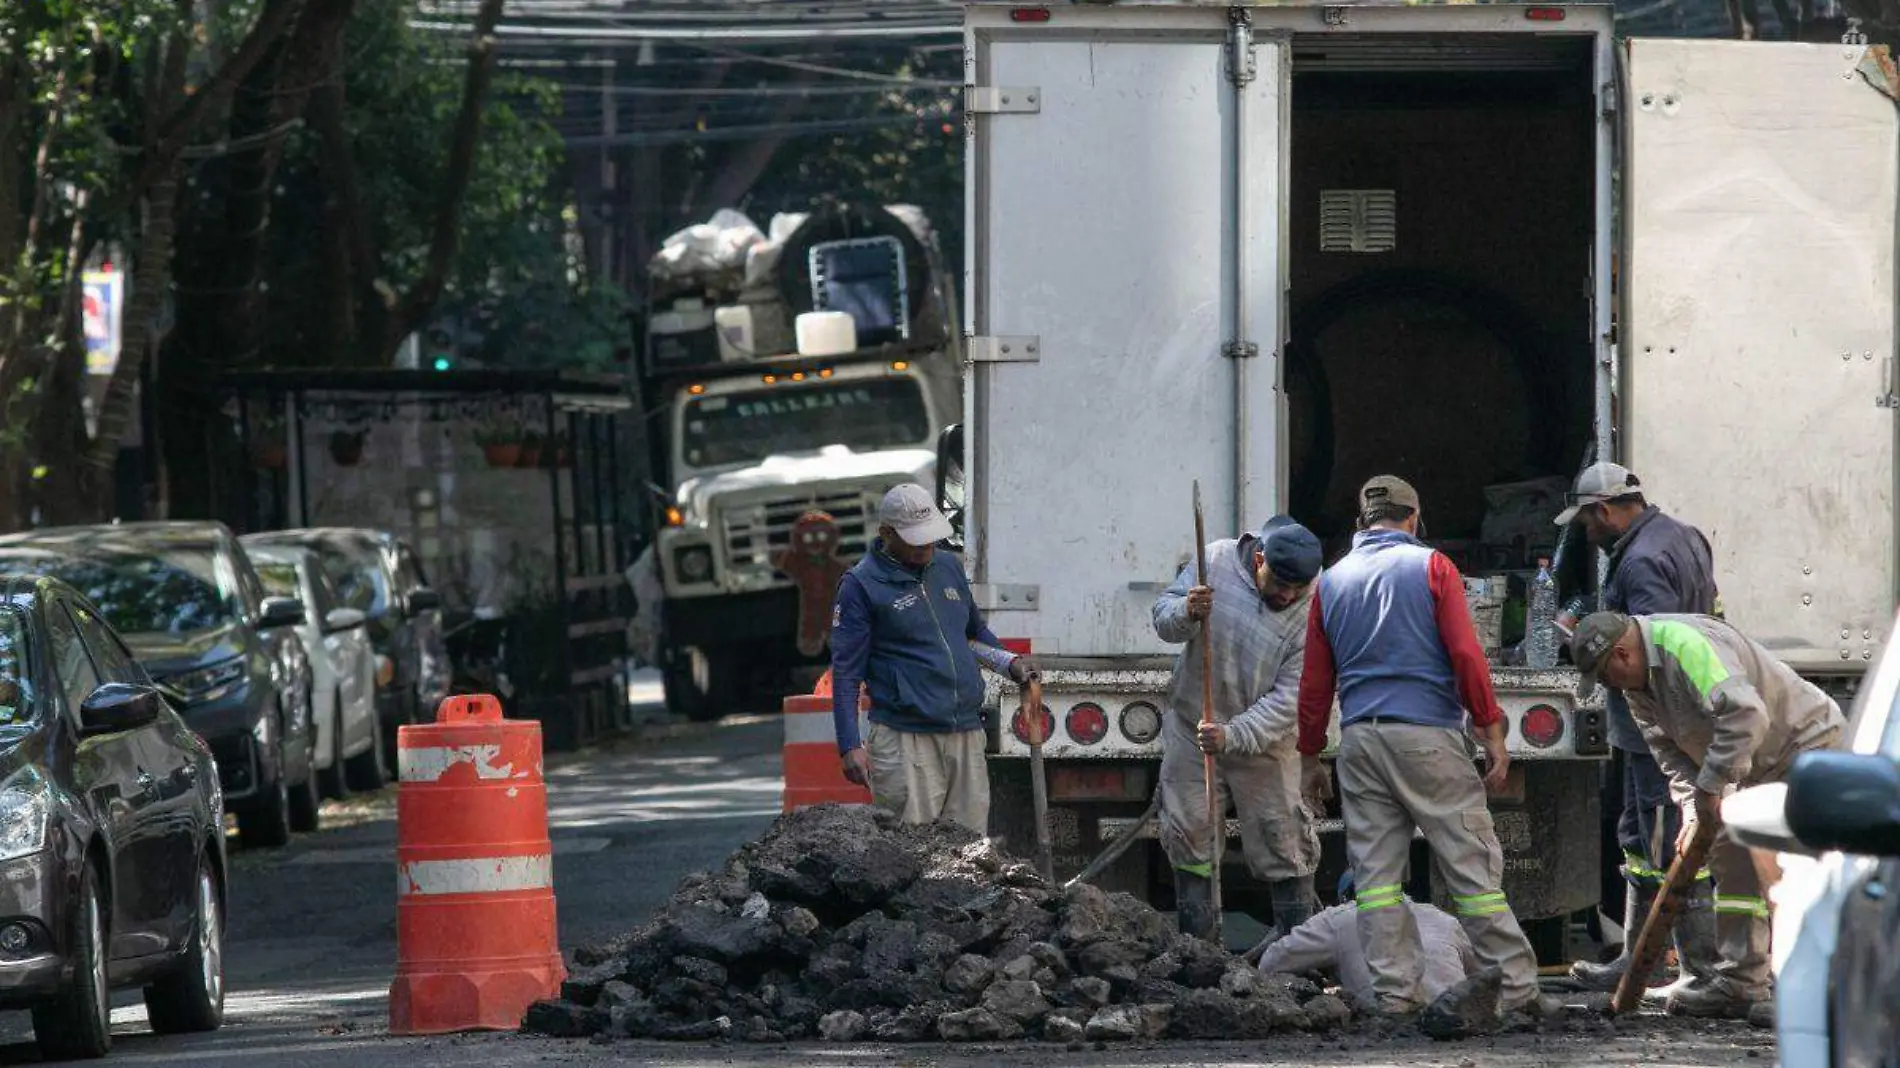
[1276, 832]
[1392, 777]
[927, 777]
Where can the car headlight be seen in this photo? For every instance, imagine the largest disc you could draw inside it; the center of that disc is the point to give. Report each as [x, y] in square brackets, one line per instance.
[694, 563]
[25, 810]
[207, 683]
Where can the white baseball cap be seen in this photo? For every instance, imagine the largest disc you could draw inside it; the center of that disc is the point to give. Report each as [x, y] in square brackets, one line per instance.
[1598, 483]
[909, 510]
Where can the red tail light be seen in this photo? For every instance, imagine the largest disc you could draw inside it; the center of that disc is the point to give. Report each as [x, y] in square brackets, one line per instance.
[1019, 725]
[1029, 14]
[1542, 726]
[1544, 14]
[1087, 723]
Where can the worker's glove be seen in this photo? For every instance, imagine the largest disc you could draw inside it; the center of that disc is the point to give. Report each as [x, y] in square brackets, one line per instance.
[1703, 808]
[1022, 671]
[1200, 602]
[1316, 783]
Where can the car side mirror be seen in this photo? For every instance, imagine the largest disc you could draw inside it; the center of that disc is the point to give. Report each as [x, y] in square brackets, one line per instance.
[423, 599]
[341, 619]
[951, 492]
[1758, 818]
[281, 612]
[1846, 801]
[117, 707]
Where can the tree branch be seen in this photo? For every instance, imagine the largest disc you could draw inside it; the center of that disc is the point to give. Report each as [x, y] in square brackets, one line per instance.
[419, 302]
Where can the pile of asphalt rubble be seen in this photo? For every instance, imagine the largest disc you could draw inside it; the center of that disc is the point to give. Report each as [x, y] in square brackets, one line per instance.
[844, 924]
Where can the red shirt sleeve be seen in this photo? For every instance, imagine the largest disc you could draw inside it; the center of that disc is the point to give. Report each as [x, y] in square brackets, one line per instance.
[1318, 678]
[1461, 642]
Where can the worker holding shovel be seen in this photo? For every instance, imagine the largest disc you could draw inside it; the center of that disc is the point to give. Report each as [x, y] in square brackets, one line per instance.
[1253, 601]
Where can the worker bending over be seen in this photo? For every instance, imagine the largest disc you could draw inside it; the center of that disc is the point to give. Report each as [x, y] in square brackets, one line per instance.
[1329, 943]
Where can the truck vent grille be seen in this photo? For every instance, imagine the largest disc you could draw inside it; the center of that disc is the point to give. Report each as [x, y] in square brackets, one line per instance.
[758, 532]
[1358, 220]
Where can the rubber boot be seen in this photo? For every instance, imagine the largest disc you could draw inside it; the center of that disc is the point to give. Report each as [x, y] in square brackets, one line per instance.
[1294, 902]
[1696, 947]
[1194, 903]
[1720, 998]
[1604, 977]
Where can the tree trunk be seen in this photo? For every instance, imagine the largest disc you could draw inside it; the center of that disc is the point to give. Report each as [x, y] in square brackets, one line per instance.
[151, 280]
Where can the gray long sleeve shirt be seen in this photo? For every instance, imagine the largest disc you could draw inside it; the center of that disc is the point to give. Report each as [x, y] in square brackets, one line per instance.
[1258, 652]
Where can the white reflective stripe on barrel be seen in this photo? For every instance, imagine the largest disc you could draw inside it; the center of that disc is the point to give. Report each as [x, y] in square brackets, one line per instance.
[480, 875]
[806, 728]
[430, 763]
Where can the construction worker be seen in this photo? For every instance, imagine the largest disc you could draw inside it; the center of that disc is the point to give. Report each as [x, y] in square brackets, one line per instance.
[1329, 943]
[1256, 595]
[1657, 565]
[905, 627]
[1720, 713]
[1391, 633]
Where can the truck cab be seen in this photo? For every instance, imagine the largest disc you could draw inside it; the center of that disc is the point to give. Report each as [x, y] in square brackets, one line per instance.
[1476, 246]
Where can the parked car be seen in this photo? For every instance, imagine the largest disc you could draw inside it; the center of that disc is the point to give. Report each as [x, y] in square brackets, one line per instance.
[192, 608]
[349, 746]
[112, 861]
[380, 575]
[1836, 825]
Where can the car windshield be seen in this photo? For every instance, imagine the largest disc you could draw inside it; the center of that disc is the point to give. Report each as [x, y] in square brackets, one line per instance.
[169, 589]
[280, 580]
[355, 568]
[735, 428]
[15, 706]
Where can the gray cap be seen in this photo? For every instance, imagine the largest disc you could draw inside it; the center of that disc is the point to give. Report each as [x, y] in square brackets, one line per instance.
[1293, 553]
[909, 510]
[1598, 483]
[1590, 646]
[1387, 489]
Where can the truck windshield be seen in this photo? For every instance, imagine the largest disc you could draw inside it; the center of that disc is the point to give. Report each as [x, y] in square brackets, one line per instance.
[746, 427]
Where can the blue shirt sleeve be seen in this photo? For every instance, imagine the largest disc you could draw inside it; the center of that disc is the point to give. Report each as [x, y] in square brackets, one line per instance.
[850, 653]
[983, 641]
[1647, 589]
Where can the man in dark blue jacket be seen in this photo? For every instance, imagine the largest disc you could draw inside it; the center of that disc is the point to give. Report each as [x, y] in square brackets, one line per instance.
[906, 628]
[1658, 566]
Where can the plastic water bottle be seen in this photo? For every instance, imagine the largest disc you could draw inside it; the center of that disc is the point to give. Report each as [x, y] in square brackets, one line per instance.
[1540, 621]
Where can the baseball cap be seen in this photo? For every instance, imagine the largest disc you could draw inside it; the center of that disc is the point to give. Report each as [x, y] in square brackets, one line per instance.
[1293, 553]
[1387, 489]
[909, 510]
[1598, 483]
[1590, 646]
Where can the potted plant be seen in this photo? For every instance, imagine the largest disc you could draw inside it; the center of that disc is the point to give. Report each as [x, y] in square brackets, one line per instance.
[268, 449]
[501, 446]
[346, 446]
[530, 450]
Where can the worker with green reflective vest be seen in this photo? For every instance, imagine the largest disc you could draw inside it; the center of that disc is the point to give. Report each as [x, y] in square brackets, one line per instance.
[1721, 713]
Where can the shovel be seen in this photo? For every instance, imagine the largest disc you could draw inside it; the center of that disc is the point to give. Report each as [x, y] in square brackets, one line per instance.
[1038, 781]
[1216, 823]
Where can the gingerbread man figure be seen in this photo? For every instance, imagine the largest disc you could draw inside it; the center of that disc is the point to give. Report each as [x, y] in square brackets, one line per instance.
[813, 565]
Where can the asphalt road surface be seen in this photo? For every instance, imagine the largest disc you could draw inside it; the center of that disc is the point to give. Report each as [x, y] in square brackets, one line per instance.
[311, 944]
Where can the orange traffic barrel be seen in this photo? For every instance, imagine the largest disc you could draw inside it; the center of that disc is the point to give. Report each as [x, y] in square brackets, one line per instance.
[475, 935]
[813, 772]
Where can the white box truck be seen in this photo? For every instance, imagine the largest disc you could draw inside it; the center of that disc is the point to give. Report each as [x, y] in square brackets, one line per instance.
[1280, 249]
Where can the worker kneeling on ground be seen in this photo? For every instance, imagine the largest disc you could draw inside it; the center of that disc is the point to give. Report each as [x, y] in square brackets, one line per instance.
[906, 628]
[1390, 630]
[1256, 597]
[1720, 713]
[1329, 943]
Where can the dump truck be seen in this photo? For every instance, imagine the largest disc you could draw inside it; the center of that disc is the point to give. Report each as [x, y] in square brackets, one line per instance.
[1280, 249]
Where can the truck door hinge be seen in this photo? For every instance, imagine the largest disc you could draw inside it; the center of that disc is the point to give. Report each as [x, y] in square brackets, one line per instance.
[1000, 100]
[1609, 99]
[1240, 350]
[1241, 67]
[1891, 397]
[1001, 597]
[1024, 348]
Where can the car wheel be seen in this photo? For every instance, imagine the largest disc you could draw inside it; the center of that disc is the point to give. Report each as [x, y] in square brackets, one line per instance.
[335, 780]
[77, 1024]
[305, 804]
[264, 823]
[369, 770]
[190, 997]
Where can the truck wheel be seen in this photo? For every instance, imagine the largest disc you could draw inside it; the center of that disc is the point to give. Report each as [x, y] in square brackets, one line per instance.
[699, 685]
[1547, 938]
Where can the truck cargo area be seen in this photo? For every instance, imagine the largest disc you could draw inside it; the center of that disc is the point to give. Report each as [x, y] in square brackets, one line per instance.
[1441, 213]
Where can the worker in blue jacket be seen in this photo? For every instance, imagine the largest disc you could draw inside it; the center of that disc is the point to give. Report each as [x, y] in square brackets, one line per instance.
[906, 628]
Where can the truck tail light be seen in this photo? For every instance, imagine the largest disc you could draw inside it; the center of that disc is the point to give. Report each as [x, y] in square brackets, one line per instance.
[1141, 723]
[1029, 14]
[1087, 723]
[1019, 725]
[1544, 14]
[1542, 726]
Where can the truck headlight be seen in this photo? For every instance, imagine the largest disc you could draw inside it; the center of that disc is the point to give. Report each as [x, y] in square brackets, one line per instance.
[693, 562]
[24, 813]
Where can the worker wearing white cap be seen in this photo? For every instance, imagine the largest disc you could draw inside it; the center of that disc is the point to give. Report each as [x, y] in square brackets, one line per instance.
[906, 628]
[1658, 565]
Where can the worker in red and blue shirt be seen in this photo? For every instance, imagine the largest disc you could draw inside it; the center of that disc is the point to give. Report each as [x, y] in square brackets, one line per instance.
[1391, 632]
[906, 628]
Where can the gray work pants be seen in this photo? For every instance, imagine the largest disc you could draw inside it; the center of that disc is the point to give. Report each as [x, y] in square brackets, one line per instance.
[925, 777]
[1393, 777]
[1276, 832]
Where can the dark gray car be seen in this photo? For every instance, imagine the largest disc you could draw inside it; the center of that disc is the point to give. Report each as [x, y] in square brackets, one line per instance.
[112, 861]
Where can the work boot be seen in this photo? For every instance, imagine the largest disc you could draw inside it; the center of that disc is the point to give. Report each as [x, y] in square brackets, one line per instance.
[1604, 977]
[1194, 903]
[1293, 902]
[1696, 948]
[1720, 998]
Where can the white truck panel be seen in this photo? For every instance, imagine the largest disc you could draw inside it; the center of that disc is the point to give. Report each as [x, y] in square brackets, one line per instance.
[1104, 228]
[1759, 200]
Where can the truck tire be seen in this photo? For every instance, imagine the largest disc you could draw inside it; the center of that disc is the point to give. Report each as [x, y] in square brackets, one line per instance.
[698, 684]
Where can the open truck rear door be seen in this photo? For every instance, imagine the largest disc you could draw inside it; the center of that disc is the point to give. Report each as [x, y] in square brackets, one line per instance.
[1759, 186]
[1086, 278]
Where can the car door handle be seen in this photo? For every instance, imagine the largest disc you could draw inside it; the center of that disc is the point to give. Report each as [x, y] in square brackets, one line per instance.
[1875, 890]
